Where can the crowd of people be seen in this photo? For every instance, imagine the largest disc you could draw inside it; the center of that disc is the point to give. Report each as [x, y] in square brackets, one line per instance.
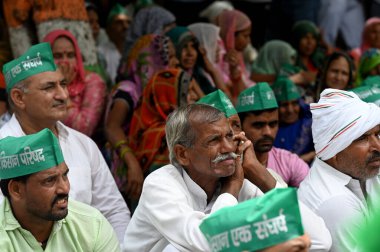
[146, 135]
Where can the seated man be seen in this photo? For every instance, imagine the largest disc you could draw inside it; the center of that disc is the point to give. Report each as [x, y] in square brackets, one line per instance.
[36, 214]
[344, 180]
[38, 95]
[206, 173]
[294, 132]
[258, 112]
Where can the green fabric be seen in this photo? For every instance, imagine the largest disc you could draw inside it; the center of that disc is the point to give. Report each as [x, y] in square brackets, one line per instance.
[29, 154]
[301, 29]
[368, 93]
[83, 229]
[38, 59]
[272, 56]
[285, 90]
[256, 223]
[220, 101]
[178, 34]
[367, 240]
[258, 97]
[368, 61]
[371, 81]
[116, 10]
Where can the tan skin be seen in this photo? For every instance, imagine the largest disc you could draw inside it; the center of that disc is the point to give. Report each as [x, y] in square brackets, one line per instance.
[232, 57]
[298, 244]
[338, 74]
[50, 89]
[361, 159]
[117, 29]
[40, 200]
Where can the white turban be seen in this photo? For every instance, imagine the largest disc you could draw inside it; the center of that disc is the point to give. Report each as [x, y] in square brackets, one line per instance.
[339, 118]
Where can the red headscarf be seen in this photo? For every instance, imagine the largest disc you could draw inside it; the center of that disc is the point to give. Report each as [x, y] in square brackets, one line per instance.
[78, 84]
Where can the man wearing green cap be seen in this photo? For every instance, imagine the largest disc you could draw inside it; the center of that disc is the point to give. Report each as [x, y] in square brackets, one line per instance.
[118, 23]
[38, 95]
[294, 133]
[207, 173]
[258, 112]
[36, 214]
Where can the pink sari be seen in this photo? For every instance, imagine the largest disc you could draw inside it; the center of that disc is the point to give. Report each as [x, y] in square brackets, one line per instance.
[87, 91]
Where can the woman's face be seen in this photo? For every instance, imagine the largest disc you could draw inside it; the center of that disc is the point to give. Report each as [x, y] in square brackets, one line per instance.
[338, 74]
[64, 51]
[374, 36]
[242, 39]
[173, 61]
[189, 56]
[307, 45]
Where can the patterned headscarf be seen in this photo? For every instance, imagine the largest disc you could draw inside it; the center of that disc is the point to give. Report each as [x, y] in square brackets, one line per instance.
[339, 118]
[161, 96]
[368, 61]
[149, 20]
[149, 54]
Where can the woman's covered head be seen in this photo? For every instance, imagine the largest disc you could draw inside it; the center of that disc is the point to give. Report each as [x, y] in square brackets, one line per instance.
[305, 37]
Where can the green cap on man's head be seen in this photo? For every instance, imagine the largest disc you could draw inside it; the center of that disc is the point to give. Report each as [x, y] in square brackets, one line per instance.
[38, 59]
[255, 98]
[116, 10]
[220, 101]
[369, 94]
[285, 90]
[256, 223]
[29, 154]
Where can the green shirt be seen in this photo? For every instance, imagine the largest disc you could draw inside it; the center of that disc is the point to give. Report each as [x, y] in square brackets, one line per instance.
[84, 229]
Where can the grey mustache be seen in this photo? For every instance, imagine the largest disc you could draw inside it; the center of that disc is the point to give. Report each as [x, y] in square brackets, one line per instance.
[222, 157]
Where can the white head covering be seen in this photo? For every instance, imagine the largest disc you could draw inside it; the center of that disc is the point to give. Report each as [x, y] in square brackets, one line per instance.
[208, 36]
[214, 9]
[339, 118]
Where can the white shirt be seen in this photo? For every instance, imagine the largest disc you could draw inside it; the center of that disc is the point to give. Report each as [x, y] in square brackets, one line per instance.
[339, 200]
[172, 206]
[112, 57]
[90, 179]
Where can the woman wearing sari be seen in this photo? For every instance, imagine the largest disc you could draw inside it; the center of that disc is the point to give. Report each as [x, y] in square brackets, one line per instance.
[87, 90]
[150, 54]
[167, 90]
[235, 31]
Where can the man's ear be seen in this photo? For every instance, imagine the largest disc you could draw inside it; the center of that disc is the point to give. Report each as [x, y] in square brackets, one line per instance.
[17, 96]
[181, 154]
[16, 189]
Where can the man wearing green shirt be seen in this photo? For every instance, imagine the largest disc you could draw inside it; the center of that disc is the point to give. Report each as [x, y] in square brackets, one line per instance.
[36, 214]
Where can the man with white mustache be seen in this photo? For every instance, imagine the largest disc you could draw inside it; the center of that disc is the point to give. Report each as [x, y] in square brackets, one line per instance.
[208, 171]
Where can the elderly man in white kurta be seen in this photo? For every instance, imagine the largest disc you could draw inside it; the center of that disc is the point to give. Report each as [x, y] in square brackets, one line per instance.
[38, 96]
[206, 173]
[344, 180]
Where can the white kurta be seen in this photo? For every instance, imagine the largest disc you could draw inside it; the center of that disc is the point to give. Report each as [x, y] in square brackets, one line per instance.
[339, 200]
[90, 179]
[172, 206]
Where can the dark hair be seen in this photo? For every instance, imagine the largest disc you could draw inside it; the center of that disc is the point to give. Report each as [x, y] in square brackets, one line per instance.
[243, 115]
[328, 60]
[5, 182]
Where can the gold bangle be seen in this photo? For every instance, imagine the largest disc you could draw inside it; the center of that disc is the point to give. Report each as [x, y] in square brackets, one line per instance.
[124, 150]
[120, 143]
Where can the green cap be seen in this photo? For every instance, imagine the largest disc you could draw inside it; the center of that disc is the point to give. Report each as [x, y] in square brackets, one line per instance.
[371, 81]
[38, 59]
[258, 97]
[29, 154]
[256, 223]
[220, 101]
[369, 94]
[285, 90]
[117, 9]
